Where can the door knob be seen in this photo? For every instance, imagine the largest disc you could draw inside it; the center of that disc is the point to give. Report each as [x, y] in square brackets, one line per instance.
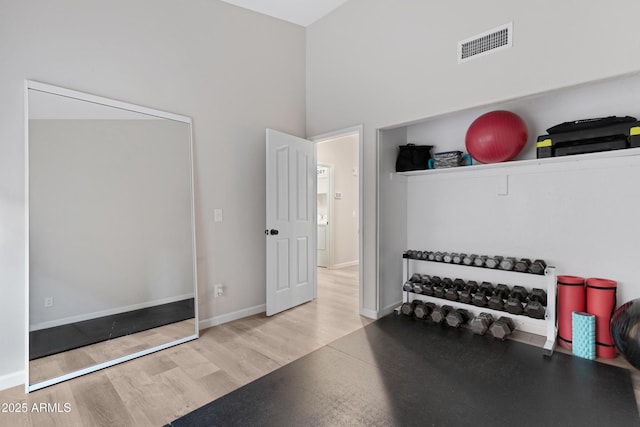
[273, 232]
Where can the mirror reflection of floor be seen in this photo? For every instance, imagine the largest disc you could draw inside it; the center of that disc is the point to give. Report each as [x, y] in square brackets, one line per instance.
[69, 336]
[63, 363]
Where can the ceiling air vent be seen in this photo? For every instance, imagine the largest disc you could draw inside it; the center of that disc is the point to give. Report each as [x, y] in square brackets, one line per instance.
[488, 42]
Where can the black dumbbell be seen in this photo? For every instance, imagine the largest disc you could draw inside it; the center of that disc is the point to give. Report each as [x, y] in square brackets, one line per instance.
[431, 256]
[493, 262]
[453, 292]
[422, 311]
[481, 297]
[447, 257]
[508, 263]
[500, 293]
[539, 295]
[486, 286]
[456, 318]
[480, 324]
[457, 258]
[459, 284]
[502, 328]
[417, 287]
[435, 285]
[522, 265]
[537, 267]
[408, 285]
[534, 309]
[427, 288]
[439, 256]
[516, 299]
[439, 291]
[468, 259]
[466, 294]
[417, 305]
[439, 314]
[479, 261]
[408, 307]
[409, 253]
[415, 277]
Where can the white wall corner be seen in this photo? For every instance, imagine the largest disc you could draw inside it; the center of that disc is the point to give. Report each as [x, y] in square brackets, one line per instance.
[367, 312]
[11, 380]
[389, 309]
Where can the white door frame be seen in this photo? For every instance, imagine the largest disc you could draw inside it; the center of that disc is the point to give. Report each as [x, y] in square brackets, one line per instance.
[359, 129]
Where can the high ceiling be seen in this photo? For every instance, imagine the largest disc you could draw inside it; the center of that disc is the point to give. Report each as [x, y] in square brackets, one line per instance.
[301, 12]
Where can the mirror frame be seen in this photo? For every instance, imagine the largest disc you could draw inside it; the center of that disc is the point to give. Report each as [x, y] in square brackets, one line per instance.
[56, 90]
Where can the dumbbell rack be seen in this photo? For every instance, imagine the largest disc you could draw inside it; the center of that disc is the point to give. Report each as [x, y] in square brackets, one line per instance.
[545, 327]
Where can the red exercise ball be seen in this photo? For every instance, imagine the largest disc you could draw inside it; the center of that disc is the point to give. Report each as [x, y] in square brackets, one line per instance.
[496, 136]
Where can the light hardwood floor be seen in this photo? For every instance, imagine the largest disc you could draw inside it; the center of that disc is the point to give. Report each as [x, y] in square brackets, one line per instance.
[158, 388]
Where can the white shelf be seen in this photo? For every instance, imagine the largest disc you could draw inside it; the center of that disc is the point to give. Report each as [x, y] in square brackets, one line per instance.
[628, 152]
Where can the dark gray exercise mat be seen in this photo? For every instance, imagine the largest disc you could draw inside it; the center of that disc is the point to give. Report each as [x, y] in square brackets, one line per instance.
[397, 371]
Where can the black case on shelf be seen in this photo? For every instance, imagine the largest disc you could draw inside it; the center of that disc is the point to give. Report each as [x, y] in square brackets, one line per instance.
[603, 138]
[413, 157]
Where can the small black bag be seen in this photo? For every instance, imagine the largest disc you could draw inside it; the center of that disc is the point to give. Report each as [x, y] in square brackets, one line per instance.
[412, 157]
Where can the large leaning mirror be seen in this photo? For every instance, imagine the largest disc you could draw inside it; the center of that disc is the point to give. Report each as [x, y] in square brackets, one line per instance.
[111, 263]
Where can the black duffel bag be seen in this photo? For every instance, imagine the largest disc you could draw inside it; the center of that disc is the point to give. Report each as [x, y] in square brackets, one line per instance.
[412, 157]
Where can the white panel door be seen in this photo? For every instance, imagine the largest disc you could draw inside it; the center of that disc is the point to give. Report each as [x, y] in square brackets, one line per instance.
[291, 222]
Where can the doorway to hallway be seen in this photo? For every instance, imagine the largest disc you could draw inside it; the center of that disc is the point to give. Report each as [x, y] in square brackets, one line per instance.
[338, 213]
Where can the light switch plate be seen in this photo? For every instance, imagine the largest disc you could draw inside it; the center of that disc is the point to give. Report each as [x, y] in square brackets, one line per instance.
[217, 215]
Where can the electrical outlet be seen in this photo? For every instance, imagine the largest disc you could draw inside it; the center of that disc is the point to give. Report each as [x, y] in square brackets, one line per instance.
[218, 291]
[48, 302]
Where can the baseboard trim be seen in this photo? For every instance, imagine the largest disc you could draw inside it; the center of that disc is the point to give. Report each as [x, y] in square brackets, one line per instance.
[229, 317]
[371, 314]
[11, 380]
[104, 313]
[389, 309]
[343, 265]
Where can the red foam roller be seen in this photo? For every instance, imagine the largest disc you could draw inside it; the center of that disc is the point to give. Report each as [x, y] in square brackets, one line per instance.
[571, 297]
[601, 301]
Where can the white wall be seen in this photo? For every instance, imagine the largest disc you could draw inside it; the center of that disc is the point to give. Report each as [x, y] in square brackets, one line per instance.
[342, 153]
[398, 64]
[233, 71]
[579, 216]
